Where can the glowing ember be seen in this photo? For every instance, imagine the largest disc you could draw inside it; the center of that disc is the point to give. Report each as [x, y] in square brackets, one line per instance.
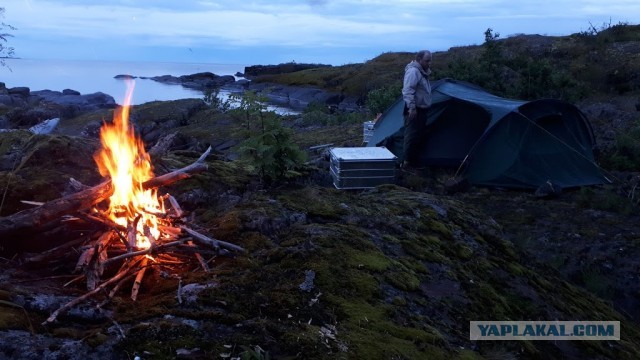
[125, 160]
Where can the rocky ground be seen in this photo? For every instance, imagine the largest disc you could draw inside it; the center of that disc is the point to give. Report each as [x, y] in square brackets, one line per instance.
[594, 249]
[396, 272]
[588, 236]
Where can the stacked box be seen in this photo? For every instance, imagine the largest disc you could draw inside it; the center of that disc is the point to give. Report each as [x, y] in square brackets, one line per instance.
[362, 167]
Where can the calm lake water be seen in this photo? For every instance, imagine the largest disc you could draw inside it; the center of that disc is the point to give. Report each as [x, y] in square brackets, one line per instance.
[92, 76]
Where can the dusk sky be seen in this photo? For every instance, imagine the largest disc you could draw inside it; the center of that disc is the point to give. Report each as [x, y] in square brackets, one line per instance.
[271, 32]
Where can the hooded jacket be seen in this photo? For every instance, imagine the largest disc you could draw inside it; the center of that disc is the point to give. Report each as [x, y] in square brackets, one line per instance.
[416, 88]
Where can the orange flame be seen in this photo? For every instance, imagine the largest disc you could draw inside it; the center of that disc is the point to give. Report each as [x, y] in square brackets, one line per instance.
[125, 160]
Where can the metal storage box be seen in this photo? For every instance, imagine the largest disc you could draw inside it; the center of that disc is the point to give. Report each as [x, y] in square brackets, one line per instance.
[362, 167]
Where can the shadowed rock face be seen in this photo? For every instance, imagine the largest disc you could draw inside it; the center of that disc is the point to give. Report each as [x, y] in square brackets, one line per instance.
[84, 103]
[293, 97]
[26, 108]
[199, 81]
[257, 70]
[21, 96]
[296, 97]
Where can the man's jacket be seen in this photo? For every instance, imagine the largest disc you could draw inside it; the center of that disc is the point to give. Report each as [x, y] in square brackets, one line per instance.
[416, 89]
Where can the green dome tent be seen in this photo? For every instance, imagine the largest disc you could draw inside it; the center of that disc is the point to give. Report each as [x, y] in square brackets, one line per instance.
[500, 142]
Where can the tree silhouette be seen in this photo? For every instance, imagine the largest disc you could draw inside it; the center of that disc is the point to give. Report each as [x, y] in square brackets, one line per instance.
[5, 51]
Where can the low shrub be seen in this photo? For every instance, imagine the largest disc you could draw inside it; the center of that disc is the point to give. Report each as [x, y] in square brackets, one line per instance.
[625, 153]
[269, 146]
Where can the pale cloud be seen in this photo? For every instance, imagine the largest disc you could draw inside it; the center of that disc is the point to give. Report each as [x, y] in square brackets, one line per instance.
[239, 27]
[345, 28]
[630, 8]
[317, 2]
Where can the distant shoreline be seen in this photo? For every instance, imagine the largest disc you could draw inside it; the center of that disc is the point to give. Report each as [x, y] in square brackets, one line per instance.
[88, 77]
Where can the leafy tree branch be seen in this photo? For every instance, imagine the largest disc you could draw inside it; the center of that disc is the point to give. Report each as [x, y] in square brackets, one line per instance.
[5, 51]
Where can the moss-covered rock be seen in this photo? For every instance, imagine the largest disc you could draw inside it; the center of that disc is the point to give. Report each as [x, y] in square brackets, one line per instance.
[372, 296]
[38, 167]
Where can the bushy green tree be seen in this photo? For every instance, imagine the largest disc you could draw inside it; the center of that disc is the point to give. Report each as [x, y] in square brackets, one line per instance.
[492, 64]
[522, 76]
[485, 70]
[316, 114]
[251, 109]
[5, 51]
[625, 154]
[213, 98]
[269, 145]
[379, 100]
[539, 79]
[319, 114]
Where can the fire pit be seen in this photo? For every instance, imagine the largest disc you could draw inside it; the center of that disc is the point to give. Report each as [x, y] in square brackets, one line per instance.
[140, 230]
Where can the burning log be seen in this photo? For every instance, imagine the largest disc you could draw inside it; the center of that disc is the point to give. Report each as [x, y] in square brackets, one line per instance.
[132, 233]
[170, 231]
[32, 220]
[136, 264]
[100, 219]
[115, 289]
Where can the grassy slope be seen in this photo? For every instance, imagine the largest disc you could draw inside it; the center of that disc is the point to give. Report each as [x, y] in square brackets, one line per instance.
[606, 62]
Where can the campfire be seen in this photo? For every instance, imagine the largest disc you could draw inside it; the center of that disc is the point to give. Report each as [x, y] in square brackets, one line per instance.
[139, 230]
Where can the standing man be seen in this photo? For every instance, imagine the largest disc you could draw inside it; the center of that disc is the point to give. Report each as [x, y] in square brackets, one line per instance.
[416, 92]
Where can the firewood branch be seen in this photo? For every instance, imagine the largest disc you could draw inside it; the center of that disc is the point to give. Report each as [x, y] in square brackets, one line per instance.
[180, 174]
[78, 300]
[146, 251]
[214, 243]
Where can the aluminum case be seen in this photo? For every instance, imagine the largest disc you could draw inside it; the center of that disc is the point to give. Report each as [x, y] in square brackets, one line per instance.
[362, 167]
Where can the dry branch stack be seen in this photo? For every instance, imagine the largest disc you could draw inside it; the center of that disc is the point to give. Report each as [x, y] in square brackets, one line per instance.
[114, 250]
